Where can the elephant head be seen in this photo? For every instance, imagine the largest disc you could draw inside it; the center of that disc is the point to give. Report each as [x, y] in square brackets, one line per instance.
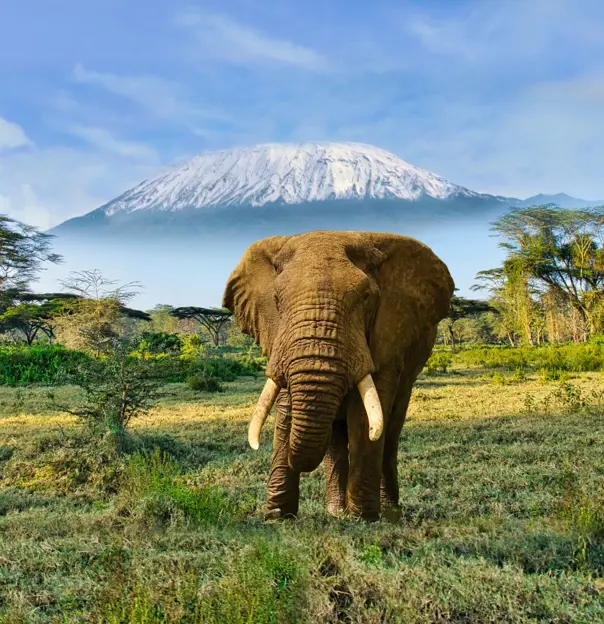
[328, 309]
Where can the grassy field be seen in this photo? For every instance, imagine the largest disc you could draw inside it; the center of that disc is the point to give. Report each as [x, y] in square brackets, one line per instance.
[502, 490]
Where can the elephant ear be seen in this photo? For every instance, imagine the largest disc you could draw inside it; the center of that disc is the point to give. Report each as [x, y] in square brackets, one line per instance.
[415, 292]
[250, 291]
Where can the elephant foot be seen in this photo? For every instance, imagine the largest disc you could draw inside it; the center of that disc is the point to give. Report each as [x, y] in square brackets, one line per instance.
[367, 513]
[273, 515]
[336, 510]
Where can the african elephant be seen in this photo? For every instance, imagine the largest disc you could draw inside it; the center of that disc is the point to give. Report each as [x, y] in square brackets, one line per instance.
[347, 321]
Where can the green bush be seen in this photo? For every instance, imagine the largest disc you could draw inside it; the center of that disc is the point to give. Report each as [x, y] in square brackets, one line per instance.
[439, 362]
[41, 364]
[159, 342]
[224, 368]
[117, 388]
[204, 383]
[552, 360]
[502, 357]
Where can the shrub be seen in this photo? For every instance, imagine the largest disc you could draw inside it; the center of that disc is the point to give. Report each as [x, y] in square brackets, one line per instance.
[204, 383]
[439, 362]
[156, 343]
[117, 388]
[42, 364]
[224, 368]
[192, 346]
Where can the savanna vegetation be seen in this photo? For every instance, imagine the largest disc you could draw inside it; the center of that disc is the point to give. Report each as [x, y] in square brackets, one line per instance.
[128, 492]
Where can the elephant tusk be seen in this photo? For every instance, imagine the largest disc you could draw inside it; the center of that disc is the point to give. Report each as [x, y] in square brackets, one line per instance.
[263, 408]
[371, 401]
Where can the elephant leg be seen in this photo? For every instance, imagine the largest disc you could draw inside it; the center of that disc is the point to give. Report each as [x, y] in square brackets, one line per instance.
[414, 362]
[283, 492]
[336, 468]
[366, 457]
[389, 491]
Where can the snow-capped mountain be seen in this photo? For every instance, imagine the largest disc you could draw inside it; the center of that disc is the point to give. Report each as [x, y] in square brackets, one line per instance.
[285, 174]
[282, 189]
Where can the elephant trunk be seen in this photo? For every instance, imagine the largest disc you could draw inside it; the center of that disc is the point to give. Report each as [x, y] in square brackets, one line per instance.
[316, 395]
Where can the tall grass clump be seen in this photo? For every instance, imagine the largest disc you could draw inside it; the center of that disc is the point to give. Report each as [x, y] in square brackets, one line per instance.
[154, 493]
[582, 513]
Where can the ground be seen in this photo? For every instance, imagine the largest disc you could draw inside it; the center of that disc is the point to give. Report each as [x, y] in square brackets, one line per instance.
[502, 493]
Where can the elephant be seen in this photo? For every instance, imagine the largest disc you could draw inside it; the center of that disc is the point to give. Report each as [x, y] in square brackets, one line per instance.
[347, 321]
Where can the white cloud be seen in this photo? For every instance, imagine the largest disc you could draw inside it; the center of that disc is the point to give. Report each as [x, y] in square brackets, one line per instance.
[508, 31]
[104, 140]
[44, 187]
[160, 98]
[218, 37]
[12, 135]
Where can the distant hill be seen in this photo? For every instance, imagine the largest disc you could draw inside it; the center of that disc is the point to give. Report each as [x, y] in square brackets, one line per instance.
[560, 199]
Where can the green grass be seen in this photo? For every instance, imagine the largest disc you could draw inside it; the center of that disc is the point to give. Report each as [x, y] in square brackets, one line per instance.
[502, 513]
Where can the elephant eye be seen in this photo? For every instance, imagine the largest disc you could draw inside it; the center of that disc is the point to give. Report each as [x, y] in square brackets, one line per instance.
[277, 301]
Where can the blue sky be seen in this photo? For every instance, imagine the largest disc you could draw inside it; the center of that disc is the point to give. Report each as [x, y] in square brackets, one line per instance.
[502, 96]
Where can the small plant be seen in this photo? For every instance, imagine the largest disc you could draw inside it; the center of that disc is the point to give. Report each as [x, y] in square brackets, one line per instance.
[583, 515]
[439, 362]
[117, 389]
[204, 382]
[552, 374]
[571, 397]
[499, 379]
[519, 374]
[372, 555]
[530, 404]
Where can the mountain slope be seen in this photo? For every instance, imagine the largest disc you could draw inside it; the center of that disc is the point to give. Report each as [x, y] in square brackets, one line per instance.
[284, 174]
[282, 188]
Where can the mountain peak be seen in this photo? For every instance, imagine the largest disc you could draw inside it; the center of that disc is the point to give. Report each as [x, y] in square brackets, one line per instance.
[284, 173]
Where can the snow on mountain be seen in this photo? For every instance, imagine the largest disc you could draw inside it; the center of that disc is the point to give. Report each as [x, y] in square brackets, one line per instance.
[284, 173]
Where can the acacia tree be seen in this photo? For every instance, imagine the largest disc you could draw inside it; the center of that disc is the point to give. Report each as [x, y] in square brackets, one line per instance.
[560, 250]
[214, 320]
[33, 313]
[23, 250]
[92, 319]
[515, 297]
[462, 308]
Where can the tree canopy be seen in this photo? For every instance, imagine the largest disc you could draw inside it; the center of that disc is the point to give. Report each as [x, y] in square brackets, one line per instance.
[32, 313]
[552, 253]
[213, 319]
[23, 250]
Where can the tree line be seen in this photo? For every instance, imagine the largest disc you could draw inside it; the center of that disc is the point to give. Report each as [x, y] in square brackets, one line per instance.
[549, 289]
